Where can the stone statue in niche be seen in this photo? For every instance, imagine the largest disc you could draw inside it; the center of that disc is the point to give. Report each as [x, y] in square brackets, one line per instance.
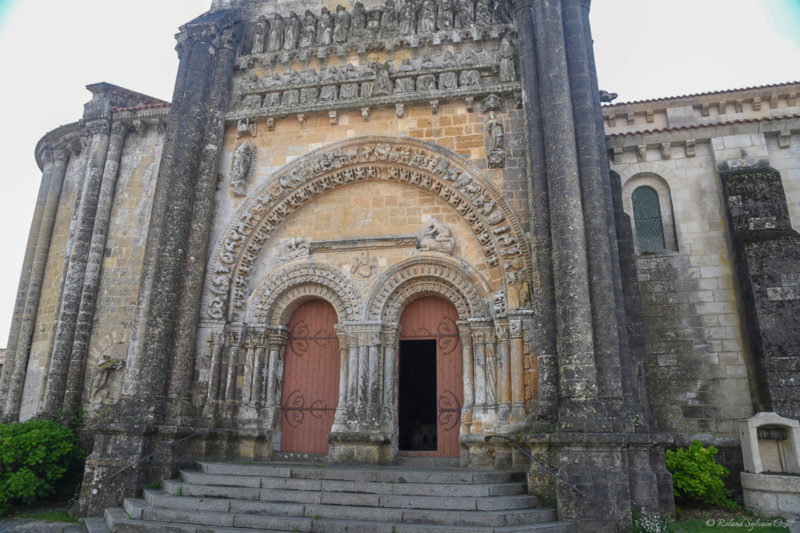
[436, 237]
[325, 32]
[329, 93]
[507, 69]
[278, 27]
[309, 95]
[408, 17]
[241, 169]
[260, 36]
[292, 32]
[389, 17]
[405, 84]
[349, 90]
[426, 23]
[308, 32]
[342, 26]
[483, 13]
[102, 372]
[519, 290]
[465, 15]
[291, 248]
[501, 14]
[383, 85]
[374, 20]
[290, 97]
[497, 152]
[444, 18]
[426, 82]
[359, 17]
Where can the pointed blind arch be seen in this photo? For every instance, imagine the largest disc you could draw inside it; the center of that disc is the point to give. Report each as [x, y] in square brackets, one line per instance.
[647, 219]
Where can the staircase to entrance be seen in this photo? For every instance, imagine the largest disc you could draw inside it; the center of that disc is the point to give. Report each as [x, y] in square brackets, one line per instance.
[248, 497]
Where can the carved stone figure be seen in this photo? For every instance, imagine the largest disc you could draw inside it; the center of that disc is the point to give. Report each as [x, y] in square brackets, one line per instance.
[383, 84]
[483, 13]
[388, 17]
[449, 59]
[374, 20]
[408, 19]
[252, 83]
[469, 59]
[260, 36]
[448, 80]
[101, 374]
[426, 82]
[501, 14]
[497, 153]
[359, 17]
[469, 78]
[290, 97]
[465, 14]
[427, 17]
[291, 248]
[309, 95]
[427, 62]
[499, 303]
[251, 101]
[349, 90]
[342, 26]
[507, 69]
[436, 237]
[405, 84]
[329, 93]
[292, 32]
[278, 27]
[240, 169]
[325, 31]
[272, 82]
[308, 33]
[444, 18]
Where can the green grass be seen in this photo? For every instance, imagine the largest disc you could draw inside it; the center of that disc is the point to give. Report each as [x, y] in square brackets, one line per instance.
[49, 516]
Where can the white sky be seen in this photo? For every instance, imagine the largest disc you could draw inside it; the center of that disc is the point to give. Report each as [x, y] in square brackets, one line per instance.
[51, 49]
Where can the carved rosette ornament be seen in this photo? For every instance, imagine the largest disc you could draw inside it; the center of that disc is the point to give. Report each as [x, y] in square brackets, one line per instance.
[423, 165]
[242, 168]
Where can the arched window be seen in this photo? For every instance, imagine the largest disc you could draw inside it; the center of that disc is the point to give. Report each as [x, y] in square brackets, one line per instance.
[647, 219]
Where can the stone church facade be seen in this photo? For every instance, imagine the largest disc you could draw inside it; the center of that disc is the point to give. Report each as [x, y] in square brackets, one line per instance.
[398, 229]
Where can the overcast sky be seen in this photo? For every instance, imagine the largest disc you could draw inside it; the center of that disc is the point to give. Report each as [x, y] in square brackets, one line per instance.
[51, 49]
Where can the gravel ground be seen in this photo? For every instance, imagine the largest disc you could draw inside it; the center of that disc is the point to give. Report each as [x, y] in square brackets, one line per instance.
[7, 525]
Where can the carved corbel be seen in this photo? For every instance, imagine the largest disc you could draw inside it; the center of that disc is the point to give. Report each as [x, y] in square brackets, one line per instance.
[400, 109]
[434, 106]
[333, 117]
[365, 114]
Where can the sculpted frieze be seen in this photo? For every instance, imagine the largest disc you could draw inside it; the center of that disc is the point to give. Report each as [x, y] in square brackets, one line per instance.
[405, 161]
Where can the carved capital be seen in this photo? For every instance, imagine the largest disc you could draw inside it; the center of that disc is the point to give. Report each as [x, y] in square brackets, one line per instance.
[122, 128]
[95, 127]
[278, 337]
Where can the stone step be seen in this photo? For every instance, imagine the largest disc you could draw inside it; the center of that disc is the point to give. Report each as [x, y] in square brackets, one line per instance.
[497, 488]
[390, 474]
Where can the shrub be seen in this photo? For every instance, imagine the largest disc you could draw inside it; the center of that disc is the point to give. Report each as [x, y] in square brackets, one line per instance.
[34, 456]
[696, 476]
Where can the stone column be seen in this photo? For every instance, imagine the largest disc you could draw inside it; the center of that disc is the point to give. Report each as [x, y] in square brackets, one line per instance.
[352, 370]
[465, 332]
[72, 389]
[278, 337]
[543, 302]
[517, 348]
[390, 367]
[81, 238]
[234, 345]
[259, 369]
[375, 371]
[344, 372]
[363, 369]
[503, 372]
[180, 387]
[30, 285]
[216, 344]
[573, 310]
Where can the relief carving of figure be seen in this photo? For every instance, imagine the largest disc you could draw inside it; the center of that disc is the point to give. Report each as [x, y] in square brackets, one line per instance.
[483, 13]
[408, 17]
[359, 17]
[507, 69]
[309, 95]
[436, 237]
[469, 78]
[101, 375]
[449, 59]
[427, 62]
[426, 22]
[448, 80]
[444, 19]
[251, 101]
[342, 25]
[465, 14]
[292, 32]
[426, 82]
[349, 90]
[291, 248]
[308, 33]
[383, 85]
[275, 41]
[325, 33]
[497, 153]
[374, 20]
[389, 17]
[240, 169]
[260, 36]
[405, 85]
[501, 14]
[329, 93]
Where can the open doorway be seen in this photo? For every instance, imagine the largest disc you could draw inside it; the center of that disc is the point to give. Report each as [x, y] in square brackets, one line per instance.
[417, 395]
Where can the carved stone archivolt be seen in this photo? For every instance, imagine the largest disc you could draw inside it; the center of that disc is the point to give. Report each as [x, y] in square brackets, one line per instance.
[417, 163]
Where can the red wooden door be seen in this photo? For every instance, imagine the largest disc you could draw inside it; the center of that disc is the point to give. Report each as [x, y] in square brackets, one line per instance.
[432, 318]
[310, 389]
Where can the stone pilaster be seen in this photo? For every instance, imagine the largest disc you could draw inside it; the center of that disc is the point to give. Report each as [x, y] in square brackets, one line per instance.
[29, 291]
